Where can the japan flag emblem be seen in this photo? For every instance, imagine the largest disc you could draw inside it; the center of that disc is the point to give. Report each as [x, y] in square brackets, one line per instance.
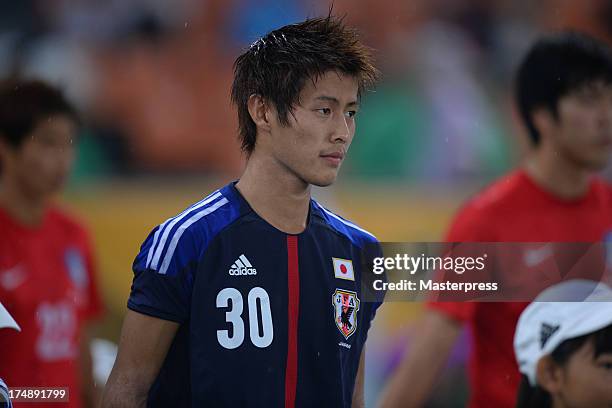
[343, 269]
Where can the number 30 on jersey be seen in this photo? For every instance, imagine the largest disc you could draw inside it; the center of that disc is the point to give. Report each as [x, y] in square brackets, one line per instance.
[232, 298]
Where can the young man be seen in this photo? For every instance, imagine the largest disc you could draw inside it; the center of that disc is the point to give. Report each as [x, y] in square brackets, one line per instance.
[564, 93]
[252, 296]
[46, 267]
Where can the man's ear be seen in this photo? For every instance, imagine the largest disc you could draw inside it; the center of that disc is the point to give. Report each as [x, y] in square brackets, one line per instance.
[549, 375]
[4, 147]
[544, 121]
[260, 112]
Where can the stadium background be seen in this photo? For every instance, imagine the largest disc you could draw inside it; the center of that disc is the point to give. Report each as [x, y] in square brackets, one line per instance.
[152, 79]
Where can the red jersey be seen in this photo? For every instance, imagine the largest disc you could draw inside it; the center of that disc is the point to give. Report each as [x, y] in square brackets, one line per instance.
[515, 209]
[47, 284]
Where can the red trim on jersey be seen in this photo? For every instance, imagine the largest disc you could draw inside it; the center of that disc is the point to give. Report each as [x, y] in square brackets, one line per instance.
[293, 309]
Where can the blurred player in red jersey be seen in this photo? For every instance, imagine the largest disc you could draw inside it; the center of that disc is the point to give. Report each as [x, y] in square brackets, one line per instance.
[564, 94]
[46, 268]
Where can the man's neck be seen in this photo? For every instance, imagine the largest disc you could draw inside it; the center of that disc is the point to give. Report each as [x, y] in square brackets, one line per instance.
[276, 194]
[24, 209]
[558, 175]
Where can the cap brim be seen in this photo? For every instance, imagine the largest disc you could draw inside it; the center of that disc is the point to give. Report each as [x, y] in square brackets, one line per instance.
[6, 320]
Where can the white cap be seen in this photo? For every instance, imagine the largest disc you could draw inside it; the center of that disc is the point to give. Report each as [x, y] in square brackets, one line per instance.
[564, 311]
[6, 320]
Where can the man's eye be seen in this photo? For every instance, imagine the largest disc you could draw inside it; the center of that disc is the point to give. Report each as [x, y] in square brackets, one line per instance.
[324, 111]
[606, 365]
[351, 114]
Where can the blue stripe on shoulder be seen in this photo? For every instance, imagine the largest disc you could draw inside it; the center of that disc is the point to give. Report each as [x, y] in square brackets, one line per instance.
[202, 222]
[163, 230]
[353, 232]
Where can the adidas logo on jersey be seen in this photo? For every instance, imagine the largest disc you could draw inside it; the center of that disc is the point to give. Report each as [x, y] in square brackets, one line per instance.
[242, 266]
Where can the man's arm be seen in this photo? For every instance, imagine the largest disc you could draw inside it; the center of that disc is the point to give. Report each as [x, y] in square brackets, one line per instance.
[358, 395]
[413, 380]
[143, 346]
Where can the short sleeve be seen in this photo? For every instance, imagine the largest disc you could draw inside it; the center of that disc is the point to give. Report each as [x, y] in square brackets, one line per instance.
[163, 275]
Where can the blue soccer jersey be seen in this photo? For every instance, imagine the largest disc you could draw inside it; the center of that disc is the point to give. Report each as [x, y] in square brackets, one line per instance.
[268, 319]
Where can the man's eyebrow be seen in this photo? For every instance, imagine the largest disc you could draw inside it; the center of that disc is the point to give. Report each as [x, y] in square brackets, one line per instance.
[335, 100]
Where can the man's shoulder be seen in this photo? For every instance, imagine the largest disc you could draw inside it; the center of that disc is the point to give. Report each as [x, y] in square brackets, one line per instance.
[357, 235]
[189, 232]
[500, 193]
[481, 216]
[213, 212]
[63, 220]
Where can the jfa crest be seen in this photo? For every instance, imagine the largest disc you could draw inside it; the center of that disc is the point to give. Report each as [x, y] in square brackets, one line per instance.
[346, 306]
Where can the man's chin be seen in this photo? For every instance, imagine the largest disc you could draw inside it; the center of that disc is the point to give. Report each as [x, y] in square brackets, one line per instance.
[323, 181]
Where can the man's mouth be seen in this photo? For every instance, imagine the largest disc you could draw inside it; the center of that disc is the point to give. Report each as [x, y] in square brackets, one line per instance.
[334, 158]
